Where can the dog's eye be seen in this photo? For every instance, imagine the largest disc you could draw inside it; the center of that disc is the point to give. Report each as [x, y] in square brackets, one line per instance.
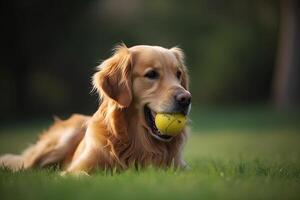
[152, 74]
[178, 74]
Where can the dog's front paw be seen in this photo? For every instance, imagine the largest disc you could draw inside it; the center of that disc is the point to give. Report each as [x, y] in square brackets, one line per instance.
[75, 173]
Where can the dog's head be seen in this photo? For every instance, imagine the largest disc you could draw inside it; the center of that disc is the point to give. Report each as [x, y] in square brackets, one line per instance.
[147, 80]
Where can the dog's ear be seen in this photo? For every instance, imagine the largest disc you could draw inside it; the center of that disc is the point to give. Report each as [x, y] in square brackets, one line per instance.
[113, 78]
[179, 54]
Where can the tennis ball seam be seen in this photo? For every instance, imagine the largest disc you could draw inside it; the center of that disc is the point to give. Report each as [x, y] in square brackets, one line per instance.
[170, 125]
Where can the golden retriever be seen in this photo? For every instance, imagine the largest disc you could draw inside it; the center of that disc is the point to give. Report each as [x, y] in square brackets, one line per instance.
[134, 84]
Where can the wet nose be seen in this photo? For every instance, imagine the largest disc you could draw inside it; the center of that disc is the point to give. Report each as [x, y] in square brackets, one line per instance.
[183, 98]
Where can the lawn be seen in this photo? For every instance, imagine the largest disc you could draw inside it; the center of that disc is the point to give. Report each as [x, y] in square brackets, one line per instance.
[251, 153]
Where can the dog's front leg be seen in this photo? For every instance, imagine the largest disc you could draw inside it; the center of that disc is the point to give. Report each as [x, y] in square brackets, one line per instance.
[90, 153]
[86, 161]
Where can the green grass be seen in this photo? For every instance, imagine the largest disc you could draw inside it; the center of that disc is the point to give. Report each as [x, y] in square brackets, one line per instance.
[243, 154]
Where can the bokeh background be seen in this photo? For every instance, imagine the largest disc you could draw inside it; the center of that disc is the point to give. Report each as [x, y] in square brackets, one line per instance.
[239, 53]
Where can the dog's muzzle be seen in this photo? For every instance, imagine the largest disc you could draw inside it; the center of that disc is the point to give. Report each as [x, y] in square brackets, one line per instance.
[182, 102]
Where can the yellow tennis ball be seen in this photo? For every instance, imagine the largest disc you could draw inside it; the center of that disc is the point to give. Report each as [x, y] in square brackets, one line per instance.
[170, 124]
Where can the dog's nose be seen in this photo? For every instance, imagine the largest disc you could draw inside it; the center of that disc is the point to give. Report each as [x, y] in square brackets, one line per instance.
[183, 98]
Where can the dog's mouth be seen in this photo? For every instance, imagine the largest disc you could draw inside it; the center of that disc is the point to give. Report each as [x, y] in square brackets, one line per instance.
[150, 120]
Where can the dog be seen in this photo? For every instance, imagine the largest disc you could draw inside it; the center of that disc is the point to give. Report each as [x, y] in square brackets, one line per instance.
[133, 85]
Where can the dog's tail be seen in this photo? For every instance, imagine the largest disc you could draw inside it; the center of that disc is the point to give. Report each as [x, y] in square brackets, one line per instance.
[55, 146]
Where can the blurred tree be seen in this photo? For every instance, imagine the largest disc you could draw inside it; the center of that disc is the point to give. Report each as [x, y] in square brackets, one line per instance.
[287, 76]
[36, 56]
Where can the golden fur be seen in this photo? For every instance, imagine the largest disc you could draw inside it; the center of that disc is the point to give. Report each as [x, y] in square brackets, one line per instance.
[116, 136]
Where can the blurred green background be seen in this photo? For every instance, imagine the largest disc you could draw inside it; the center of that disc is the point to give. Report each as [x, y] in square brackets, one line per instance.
[50, 49]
